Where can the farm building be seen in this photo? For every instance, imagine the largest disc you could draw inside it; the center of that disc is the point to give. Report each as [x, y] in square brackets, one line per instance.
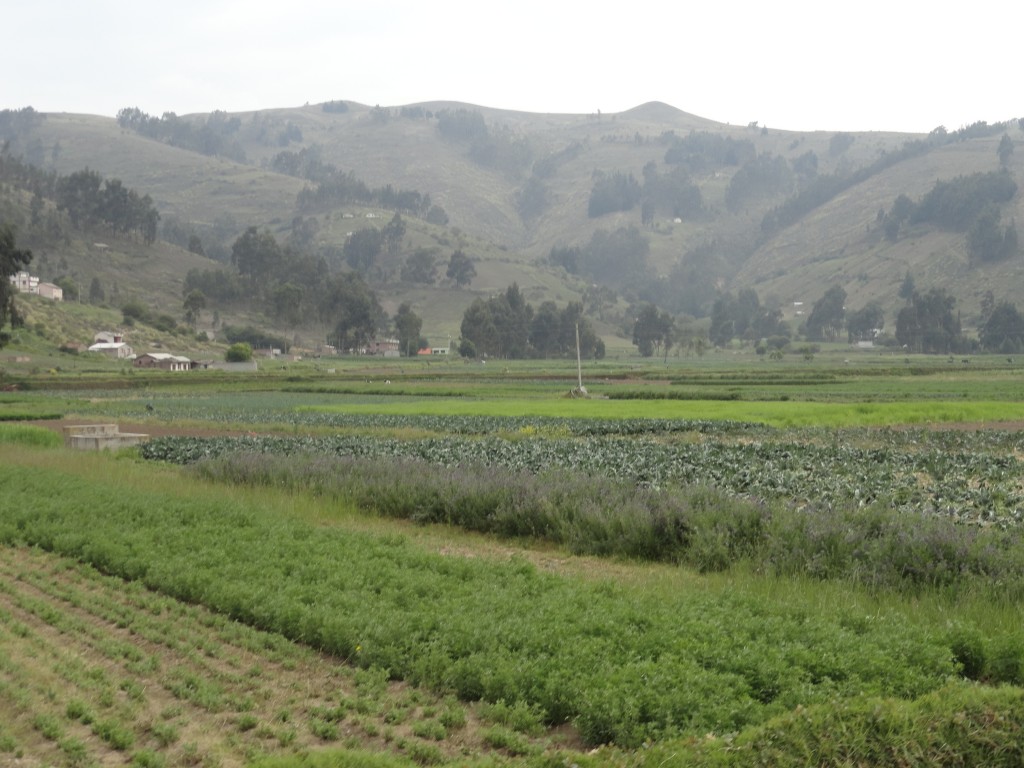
[118, 350]
[163, 361]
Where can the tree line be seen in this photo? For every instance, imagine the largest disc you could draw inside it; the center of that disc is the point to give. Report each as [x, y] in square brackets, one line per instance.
[332, 186]
[507, 326]
[968, 204]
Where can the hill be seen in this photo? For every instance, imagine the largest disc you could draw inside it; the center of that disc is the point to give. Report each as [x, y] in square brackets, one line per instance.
[649, 204]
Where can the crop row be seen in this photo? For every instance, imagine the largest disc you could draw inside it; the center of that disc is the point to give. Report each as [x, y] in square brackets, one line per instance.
[622, 664]
[969, 487]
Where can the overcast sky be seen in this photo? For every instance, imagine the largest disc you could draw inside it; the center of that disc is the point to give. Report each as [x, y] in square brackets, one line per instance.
[898, 65]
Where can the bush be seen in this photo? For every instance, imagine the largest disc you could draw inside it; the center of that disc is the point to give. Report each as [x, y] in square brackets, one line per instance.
[239, 352]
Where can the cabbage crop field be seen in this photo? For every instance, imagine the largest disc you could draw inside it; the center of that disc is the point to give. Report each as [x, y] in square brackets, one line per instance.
[722, 563]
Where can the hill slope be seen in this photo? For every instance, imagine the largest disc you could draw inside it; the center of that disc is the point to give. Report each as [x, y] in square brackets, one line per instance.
[508, 187]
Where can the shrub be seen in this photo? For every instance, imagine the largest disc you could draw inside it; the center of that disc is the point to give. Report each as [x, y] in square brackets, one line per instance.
[239, 352]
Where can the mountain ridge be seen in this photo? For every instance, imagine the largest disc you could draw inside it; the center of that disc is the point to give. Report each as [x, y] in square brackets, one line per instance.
[521, 185]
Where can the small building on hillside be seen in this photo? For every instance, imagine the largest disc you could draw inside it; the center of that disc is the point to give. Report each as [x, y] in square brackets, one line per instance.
[51, 291]
[163, 361]
[385, 347]
[24, 282]
[108, 337]
[117, 350]
[27, 283]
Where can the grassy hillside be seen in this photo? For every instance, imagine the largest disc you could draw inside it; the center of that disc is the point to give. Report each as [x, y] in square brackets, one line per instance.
[559, 158]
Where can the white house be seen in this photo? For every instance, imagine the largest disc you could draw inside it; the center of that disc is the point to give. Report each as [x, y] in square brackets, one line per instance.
[117, 350]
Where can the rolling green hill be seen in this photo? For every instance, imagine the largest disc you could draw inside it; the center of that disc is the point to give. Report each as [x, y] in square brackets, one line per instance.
[513, 186]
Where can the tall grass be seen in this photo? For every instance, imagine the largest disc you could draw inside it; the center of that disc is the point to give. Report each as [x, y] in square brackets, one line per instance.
[959, 725]
[694, 526]
[23, 434]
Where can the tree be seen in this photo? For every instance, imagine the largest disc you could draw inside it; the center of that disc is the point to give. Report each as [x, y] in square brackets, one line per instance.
[827, 315]
[408, 326]
[460, 269]
[68, 286]
[351, 309]
[907, 288]
[255, 254]
[546, 330]
[862, 323]
[617, 258]
[394, 232]
[287, 303]
[239, 352]
[652, 330]
[723, 324]
[421, 266]
[194, 304]
[615, 192]
[362, 249]
[1005, 150]
[500, 326]
[928, 324]
[1004, 329]
[12, 261]
[987, 241]
[478, 330]
[96, 293]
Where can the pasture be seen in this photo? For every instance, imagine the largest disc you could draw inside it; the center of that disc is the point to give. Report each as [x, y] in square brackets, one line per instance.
[708, 562]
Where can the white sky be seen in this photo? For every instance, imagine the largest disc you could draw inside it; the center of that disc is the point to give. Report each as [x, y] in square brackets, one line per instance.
[900, 65]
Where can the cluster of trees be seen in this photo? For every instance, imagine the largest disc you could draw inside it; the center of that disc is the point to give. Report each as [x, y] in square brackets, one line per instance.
[744, 317]
[507, 326]
[672, 193]
[967, 204]
[335, 187]
[365, 246]
[497, 147]
[532, 198]
[134, 311]
[823, 188]
[217, 135]
[89, 201]
[292, 287]
[613, 192]
[18, 123]
[928, 323]
[254, 338]
[1002, 329]
[86, 198]
[653, 331]
[700, 150]
[617, 258]
[762, 176]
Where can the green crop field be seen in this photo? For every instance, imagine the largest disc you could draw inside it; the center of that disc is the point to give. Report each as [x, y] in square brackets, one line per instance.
[379, 564]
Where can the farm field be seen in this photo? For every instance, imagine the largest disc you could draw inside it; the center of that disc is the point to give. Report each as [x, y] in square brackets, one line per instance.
[705, 565]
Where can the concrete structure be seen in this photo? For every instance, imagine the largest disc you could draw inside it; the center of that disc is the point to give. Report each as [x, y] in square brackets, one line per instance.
[51, 292]
[235, 367]
[98, 437]
[26, 283]
[117, 350]
[163, 361]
